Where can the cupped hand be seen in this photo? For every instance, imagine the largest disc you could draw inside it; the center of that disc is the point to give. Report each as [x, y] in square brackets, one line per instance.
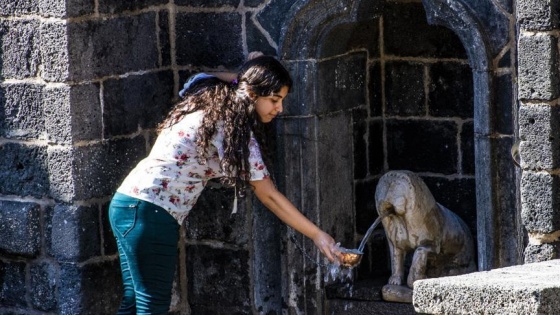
[325, 243]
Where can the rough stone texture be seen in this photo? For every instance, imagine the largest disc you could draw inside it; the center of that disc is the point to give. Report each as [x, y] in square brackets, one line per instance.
[20, 229]
[12, 284]
[346, 85]
[450, 92]
[23, 171]
[543, 252]
[359, 135]
[272, 16]
[493, 21]
[539, 126]
[422, 40]
[54, 57]
[352, 36]
[211, 218]
[540, 201]
[376, 155]
[256, 40]
[21, 7]
[98, 48]
[201, 41]
[76, 223]
[537, 15]
[22, 113]
[375, 90]
[524, 289]
[72, 113]
[43, 281]
[143, 100]
[19, 45]
[208, 3]
[78, 283]
[218, 274]
[505, 103]
[66, 8]
[302, 97]
[92, 171]
[112, 7]
[416, 145]
[538, 67]
[467, 148]
[404, 89]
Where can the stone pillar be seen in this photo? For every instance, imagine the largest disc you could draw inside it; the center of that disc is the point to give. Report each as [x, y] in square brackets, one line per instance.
[539, 125]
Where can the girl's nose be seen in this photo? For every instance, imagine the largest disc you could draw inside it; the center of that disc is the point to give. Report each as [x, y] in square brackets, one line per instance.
[279, 108]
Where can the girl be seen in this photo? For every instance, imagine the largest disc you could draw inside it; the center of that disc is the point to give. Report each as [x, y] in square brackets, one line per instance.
[211, 133]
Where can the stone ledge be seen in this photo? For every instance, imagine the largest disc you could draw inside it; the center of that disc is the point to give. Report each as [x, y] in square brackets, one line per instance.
[524, 289]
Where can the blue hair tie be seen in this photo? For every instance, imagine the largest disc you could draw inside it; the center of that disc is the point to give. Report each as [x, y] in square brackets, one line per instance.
[192, 80]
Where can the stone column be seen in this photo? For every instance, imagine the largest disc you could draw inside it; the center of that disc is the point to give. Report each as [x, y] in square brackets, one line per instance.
[539, 125]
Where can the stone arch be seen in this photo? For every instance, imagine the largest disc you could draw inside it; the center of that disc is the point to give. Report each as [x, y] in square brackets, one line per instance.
[302, 38]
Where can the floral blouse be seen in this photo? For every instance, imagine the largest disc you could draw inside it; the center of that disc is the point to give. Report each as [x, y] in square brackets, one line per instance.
[171, 176]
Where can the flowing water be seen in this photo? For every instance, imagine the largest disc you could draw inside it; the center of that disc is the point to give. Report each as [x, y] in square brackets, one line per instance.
[335, 271]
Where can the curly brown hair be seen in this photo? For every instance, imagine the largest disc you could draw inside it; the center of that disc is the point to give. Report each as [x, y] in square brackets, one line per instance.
[233, 106]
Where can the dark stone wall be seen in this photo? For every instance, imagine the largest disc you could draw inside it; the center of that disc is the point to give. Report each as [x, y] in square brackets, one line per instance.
[378, 87]
[539, 116]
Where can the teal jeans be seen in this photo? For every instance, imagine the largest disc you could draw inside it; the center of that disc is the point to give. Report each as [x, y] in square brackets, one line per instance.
[147, 237]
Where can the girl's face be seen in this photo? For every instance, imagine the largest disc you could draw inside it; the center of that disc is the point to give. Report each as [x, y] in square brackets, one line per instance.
[270, 106]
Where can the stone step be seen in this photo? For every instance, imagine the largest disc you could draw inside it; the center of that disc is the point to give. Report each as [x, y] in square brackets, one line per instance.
[362, 298]
[530, 289]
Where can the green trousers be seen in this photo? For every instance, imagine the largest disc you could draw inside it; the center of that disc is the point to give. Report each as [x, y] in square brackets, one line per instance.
[147, 237]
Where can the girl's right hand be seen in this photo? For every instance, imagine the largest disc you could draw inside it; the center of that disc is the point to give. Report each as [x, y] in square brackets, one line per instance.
[326, 244]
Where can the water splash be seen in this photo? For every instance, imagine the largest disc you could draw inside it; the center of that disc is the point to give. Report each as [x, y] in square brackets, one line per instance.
[336, 272]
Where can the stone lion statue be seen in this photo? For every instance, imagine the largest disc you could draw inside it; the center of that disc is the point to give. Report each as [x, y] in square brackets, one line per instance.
[414, 221]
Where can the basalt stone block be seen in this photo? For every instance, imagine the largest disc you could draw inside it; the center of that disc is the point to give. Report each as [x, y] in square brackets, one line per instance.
[72, 113]
[43, 277]
[19, 44]
[359, 135]
[537, 15]
[467, 148]
[164, 39]
[375, 90]
[23, 171]
[17, 8]
[12, 284]
[422, 146]
[54, 51]
[218, 274]
[73, 232]
[112, 7]
[272, 17]
[346, 86]
[505, 104]
[542, 252]
[99, 169]
[66, 8]
[364, 201]
[92, 171]
[20, 228]
[256, 40]
[208, 3]
[90, 289]
[253, 3]
[301, 99]
[404, 89]
[22, 114]
[98, 48]
[538, 67]
[212, 218]
[422, 40]
[376, 154]
[451, 90]
[494, 22]
[458, 195]
[109, 241]
[209, 39]
[142, 100]
[539, 126]
[540, 197]
[352, 36]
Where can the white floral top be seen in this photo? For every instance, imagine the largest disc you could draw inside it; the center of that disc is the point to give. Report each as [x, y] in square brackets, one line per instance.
[171, 176]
